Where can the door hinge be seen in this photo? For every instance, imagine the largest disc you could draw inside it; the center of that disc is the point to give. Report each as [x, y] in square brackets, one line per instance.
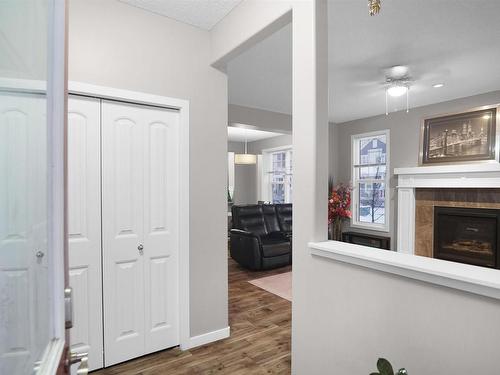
[68, 308]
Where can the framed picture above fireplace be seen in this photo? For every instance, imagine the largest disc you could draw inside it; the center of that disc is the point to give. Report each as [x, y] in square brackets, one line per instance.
[461, 137]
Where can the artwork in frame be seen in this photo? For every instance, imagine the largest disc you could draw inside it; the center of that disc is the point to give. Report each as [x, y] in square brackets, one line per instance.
[458, 138]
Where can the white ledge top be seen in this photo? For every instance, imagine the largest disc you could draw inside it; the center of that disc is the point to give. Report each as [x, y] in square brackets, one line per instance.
[473, 279]
[452, 168]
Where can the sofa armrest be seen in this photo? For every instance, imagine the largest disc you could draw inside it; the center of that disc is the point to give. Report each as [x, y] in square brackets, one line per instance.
[246, 248]
[244, 233]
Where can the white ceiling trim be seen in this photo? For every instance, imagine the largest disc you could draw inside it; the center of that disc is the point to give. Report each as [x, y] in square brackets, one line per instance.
[239, 134]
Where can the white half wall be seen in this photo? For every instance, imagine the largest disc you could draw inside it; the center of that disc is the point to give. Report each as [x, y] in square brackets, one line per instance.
[359, 314]
[116, 45]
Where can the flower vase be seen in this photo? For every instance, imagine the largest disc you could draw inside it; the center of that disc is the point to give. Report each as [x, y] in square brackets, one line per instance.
[336, 230]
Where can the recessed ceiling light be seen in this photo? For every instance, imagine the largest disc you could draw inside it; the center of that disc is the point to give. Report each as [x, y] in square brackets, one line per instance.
[438, 85]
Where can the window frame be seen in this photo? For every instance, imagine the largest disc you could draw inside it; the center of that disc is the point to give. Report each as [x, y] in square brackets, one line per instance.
[355, 222]
[266, 175]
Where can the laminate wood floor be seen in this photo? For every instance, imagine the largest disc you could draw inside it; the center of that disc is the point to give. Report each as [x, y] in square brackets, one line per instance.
[259, 343]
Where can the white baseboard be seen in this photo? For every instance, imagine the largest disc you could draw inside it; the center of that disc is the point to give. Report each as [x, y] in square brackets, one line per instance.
[207, 338]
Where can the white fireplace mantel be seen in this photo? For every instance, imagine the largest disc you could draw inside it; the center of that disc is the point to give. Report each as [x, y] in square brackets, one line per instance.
[480, 175]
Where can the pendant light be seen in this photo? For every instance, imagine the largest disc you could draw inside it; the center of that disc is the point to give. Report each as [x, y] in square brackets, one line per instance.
[246, 158]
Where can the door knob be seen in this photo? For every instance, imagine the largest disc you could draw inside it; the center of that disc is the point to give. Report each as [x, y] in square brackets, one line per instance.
[82, 358]
[39, 254]
[140, 248]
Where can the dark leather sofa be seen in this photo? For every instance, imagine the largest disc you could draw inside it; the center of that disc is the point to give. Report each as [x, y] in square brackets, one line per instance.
[261, 237]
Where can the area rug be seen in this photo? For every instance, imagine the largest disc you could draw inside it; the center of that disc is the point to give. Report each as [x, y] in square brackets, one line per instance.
[280, 284]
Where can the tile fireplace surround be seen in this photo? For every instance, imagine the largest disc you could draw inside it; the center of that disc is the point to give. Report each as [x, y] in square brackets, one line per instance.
[426, 199]
[421, 188]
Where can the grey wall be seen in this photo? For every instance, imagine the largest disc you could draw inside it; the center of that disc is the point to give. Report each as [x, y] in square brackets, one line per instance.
[116, 45]
[235, 146]
[257, 146]
[245, 176]
[265, 120]
[405, 136]
[245, 191]
[333, 148]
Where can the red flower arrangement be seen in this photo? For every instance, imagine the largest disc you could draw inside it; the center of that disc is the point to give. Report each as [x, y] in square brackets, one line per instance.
[339, 208]
[339, 203]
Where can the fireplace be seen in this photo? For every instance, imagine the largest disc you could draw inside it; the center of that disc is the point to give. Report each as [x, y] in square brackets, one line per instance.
[467, 235]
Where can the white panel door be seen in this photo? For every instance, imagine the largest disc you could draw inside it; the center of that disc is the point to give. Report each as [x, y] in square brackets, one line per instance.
[84, 227]
[161, 213]
[140, 230]
[123, 210]
[23, 232]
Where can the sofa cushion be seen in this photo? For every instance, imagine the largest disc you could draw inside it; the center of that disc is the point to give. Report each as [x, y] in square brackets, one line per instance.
[270, 218]
[284, 213]
[272, 246]
[249, 218]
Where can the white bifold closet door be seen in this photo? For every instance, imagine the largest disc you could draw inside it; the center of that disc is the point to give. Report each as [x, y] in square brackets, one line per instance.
[84, 227]
[140, 209]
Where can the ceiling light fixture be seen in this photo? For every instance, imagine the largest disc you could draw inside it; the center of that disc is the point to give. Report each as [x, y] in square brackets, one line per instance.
[246, 158]
[397, 89]
[397, 84]
[374, 7]
[438, 85]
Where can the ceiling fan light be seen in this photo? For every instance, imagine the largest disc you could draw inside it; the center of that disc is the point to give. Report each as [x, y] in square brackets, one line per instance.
[397, 90]
[245, 159]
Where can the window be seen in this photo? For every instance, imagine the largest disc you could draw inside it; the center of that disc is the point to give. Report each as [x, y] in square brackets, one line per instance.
[370, 178]
[277, 179]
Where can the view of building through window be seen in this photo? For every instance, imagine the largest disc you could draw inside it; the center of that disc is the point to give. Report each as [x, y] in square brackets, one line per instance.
[370, 179]
[281, 176]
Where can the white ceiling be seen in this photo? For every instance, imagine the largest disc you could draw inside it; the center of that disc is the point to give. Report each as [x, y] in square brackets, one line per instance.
[456, 42]
[236, 134]
[200, 13]
[261, 77]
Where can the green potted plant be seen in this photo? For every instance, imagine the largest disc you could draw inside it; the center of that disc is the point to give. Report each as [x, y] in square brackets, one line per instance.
[385, 368]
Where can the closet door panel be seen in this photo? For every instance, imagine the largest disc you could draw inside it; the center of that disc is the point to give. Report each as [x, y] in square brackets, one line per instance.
[161, 210]
[84, 227]
[122, 203]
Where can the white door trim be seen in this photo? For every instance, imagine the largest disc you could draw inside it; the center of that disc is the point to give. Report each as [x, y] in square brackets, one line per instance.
[134, 97]
[85, 89]
[56, 87]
